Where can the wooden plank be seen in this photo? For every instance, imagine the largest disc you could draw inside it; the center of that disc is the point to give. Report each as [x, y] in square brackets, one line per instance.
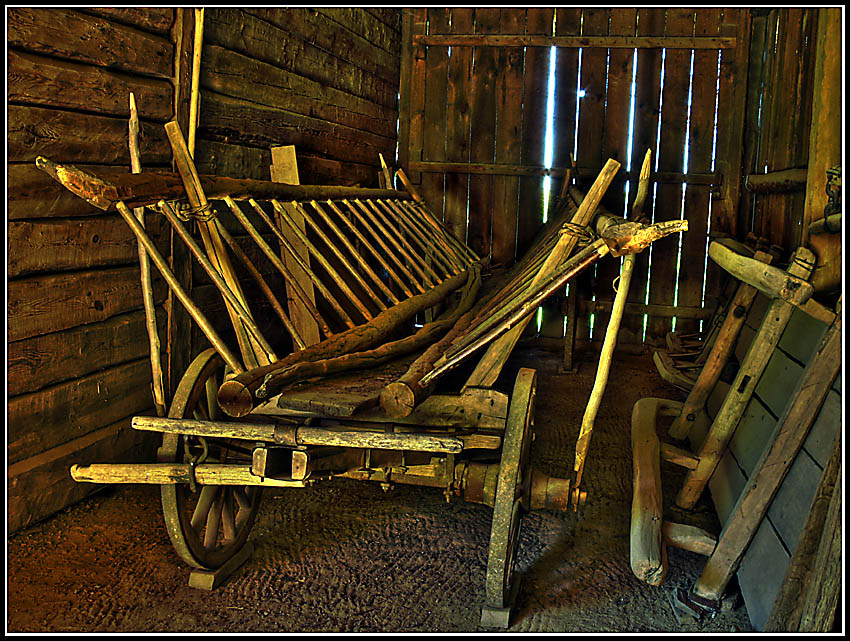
[285, 169]
[56, 415]
[591, 121]
[772, 468]
[482, 144]
[801, 336]
[239, 31]
[756, 68]
[583, 41]
[359, 21]
[791, 504]
[251, 124]
[69, 34]
[154, 19]
[827, 424]
[671, 149]
[316, 28]
[776, 385]
[433, 103]
[457, 125]
[238, 76]
[37, 362]
[50, 82]
[44, 304]
[824, 141]
[567, 22]
[539, 21]
[615, 144]
[509, 85]
[761, 573]
[786, 612]
[41, 485]
[700, 159]
[756, 426]
[65, 136]
[730, 123]
[406, 55]
[61, 244]
[645, 129]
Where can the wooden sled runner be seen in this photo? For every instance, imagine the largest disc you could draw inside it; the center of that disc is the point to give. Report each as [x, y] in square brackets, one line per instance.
[363, 392]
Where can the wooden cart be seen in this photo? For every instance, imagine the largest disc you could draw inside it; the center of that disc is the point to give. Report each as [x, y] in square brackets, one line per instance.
[373, 395]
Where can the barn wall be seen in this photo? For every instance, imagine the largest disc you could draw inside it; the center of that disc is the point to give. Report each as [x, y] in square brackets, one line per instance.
[324, 80]
[78, 361]
[778, 119]
[476, 138]
[78, 365]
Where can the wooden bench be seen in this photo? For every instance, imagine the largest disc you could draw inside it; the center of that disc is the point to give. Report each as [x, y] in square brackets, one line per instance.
[367, 393]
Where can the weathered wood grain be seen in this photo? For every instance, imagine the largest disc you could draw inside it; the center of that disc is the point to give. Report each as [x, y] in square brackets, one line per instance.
[482, 145]
[59, 244]
[69, 34]
[647, 110]
[41, 485]
[671, 150]
[35, 363]
[66, 136]
[509, 85]
[434, 115]
[246, 34]
[49, 82]
[155, 19]
[325, 33]
[238, 76]
[51, 303]
[228, 119]
[457, 125]
[51, 417]
[364, 24]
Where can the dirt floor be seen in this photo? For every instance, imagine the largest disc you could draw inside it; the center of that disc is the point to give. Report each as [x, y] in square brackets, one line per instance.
[347, 557]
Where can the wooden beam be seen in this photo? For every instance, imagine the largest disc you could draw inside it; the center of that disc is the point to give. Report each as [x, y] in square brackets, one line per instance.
[607, 42]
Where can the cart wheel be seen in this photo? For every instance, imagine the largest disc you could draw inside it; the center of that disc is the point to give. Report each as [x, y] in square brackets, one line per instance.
[209, 526]
[512, 499]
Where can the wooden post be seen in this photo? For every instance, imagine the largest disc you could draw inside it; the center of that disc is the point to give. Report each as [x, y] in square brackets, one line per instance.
[647, 554]
[787, 609]
[724, 343]
[284, 169]
[724, 424]
[775, 461]
[145, 274]
[604, 367]
[194, 105]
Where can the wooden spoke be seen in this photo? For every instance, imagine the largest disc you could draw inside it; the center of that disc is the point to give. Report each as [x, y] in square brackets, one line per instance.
[209, 526]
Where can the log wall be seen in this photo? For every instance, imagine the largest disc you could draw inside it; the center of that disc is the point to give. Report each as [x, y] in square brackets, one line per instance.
[476, 100]
[324, 80]
[77, 361]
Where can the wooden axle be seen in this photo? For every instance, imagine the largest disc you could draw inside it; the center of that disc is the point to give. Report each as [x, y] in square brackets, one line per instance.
[295, 436]
[174, 473]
